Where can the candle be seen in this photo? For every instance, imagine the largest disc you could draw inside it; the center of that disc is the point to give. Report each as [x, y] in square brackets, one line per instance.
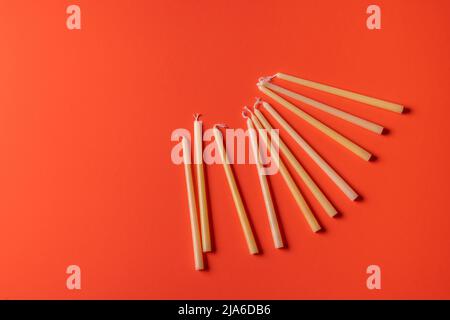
[198, 256]
[334, 176]
[309, 182]
[326, 108]
[350, 145]
[344, 93]
[295, 191]
[273, 221]
[203, 205]
[245, 224]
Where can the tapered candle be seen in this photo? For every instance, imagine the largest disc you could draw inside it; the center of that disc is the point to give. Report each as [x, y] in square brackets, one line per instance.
[203, 205]
[293, 188]
[326, 108]
[309, 182]
[334, 176]
[198, 256]
[273, 221]
[344, 93]
[350, 145]
[245, 224]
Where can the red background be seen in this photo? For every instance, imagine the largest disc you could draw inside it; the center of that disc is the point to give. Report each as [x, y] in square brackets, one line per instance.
[85, 170]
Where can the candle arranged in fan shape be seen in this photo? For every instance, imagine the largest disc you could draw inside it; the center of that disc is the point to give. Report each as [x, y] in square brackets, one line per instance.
[290, 182]
[339, 138]
[271, 214]
[309, 182]
[242, 214]
[369, 125]
[394, 107]
[332, 174]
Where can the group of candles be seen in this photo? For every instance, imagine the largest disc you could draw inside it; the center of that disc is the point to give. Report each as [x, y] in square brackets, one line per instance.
[257, 121]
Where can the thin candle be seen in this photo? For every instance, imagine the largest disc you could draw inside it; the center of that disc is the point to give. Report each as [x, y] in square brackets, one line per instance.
[326, 108]
[350, 145]
[334, 176]
[293, 188]
[309, 182]
[394, 107]
[198, 256]
[245, 224]
[203, 205]
[272, 216]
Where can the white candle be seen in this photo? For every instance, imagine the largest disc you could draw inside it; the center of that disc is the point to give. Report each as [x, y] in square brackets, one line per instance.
[309, 182]
[334, 176]
[273, 221]
[295, 191]
[350, 145]
[344, 93]
[196, 242]
[326, 108]
[203, 205]
[245, 224]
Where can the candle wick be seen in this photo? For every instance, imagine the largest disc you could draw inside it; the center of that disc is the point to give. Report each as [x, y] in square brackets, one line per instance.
[197, 116]
[257, 103]
[245, 111]
[263, 80]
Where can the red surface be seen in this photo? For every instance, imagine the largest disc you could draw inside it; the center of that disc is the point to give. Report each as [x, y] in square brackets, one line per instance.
[85, 169]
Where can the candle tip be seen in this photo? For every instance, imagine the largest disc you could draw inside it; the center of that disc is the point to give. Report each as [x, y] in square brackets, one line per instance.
[244, 113]
[257, 103]
[197, 116]
[263, 80]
